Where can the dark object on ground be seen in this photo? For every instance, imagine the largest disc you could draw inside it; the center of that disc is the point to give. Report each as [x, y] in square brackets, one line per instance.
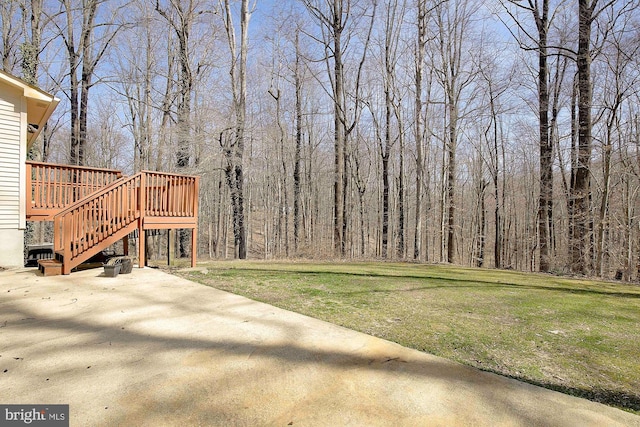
[38, 252]
[127, 265]
[118, 264]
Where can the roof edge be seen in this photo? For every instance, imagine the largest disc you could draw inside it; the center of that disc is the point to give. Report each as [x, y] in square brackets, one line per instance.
[29, 90]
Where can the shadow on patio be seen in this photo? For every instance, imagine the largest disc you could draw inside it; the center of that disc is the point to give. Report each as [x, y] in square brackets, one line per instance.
[153, 349]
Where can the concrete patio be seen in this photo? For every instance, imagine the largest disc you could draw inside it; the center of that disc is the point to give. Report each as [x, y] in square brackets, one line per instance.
[151, 349]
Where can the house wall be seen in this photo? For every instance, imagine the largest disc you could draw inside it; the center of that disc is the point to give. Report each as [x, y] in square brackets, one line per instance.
[12, 169]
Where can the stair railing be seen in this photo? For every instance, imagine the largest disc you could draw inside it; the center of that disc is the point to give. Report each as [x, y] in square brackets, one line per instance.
[90, 224]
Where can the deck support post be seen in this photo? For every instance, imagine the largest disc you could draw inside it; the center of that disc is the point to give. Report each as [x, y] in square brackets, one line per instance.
[194, 231]
[171, 246]
[142, 256]
[194, 246]
[142, 200]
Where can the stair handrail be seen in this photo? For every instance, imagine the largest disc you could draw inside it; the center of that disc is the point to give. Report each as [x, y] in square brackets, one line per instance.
[114, 217]
[100, 192]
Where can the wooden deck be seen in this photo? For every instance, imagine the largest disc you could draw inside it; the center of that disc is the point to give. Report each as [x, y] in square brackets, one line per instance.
[92, 209]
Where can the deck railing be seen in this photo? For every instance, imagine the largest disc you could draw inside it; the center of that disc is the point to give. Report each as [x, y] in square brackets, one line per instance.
[169, 195]
[51, 187]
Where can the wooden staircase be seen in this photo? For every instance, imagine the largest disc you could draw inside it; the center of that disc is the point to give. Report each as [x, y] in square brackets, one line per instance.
[92, 209]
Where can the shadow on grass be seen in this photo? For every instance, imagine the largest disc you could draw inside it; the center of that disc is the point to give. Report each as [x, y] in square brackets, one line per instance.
[483, 282]
[628, 402]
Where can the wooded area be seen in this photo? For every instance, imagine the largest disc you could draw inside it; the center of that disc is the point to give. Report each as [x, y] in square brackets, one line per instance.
[500, 134]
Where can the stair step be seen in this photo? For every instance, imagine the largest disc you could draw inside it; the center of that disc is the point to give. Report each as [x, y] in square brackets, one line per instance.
[50, 267]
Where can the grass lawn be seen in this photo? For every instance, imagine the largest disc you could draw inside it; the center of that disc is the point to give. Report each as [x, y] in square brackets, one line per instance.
[578, 336]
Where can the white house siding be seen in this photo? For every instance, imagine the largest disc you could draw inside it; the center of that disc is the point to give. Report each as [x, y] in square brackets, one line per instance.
[11, 157]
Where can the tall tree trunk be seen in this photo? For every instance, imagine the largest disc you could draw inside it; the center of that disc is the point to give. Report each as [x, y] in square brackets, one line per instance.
[495, 171]
[604, 201]
[451, 178]
[30, 62]
[32, 46]
[545, 201]
[234, 149]
[401, 244]
[417, 236]
[90, 52]
[628, 221]
[182, 22]
[241, 239]
[283, 214]
[74, 63]
[385, 151]
[83, 116]
[88, 64]
[339, 132]
[581, 190]
[442, 212]
[481, 222]
[421, 21]
[574, 166]
[165, 108]
[390, 59]
[298, 149]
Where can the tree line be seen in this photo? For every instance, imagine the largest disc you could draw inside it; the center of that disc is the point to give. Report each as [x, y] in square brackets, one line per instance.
[500, 134]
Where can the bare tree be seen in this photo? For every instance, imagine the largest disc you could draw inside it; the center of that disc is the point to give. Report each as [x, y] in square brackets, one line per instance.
[496, 81]
[393, 18]
[10, 35]
[581, 188]
[453, 21]
[181, 17]
[333, 18]
[422, 19]
[234, 144]
[421, 24]
[588, 13]
[32, 45]
[282, 215]
[137, 68]
[542, 19]
[297, 74]
[84, 56]
[618, 51]
[401, 244]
